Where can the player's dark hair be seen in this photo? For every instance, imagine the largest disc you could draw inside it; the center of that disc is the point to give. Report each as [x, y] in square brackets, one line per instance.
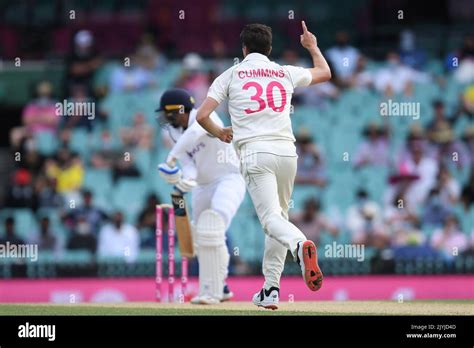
[257, 38]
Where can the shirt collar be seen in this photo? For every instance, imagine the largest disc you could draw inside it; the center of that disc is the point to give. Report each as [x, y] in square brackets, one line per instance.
[256, 56]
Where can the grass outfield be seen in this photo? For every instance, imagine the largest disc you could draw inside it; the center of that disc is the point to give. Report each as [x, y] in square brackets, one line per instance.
[455, 307]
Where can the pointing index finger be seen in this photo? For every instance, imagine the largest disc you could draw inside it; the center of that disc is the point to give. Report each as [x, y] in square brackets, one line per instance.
[303, 24]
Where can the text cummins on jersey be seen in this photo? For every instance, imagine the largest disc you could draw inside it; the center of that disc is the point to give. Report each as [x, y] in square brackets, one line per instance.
[259, 93]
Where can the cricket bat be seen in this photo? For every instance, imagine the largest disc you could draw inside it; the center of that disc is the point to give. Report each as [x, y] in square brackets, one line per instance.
[182, 225]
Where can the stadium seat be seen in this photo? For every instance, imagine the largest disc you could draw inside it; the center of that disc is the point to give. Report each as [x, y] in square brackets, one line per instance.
[46, 143]
[129, 196]
[77, 257]
[247, 236]
[25, 222]
[142, 160]
[99, 181]
[80, 141]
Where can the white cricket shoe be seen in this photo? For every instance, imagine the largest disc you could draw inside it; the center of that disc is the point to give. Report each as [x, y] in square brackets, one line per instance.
[205, 300]
[267, 298]
[227, 295]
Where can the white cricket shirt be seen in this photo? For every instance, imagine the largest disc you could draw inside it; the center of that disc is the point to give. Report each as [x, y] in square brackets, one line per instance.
[202, 156]
[259, 93]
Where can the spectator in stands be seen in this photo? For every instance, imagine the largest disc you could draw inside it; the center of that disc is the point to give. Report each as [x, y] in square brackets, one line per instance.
[374, 150]
[361, 78]
[194, 79]
[470, 250]
[311, 168]
[119, 240]
[79, 95]
[39, 116]
[95, 216]
[20, 192]
[312, 222]
[67, 170]
[46, 194]
[343, 59]
[465, 107]
[448, 187]
[149, 57]
[320, 94]
[45, 237]
[449, 240]
[401, 204]
[400, 194]
[147, 221]
[104, 151]
[467, 193]
[397, 78]
[137, 74]
[435, 210]
[10, 234]
[439, 116]
[464, 72]
[82, 236]
[83, 61]
[426, 168]
[410, 55]
[447, 149]
[108, 154]
[291, 57]
[65, 135]
[30, 158]
[468, 144]
[356, 218]
[140, 134]
[416, 137]
[124, 167]
[370, 230]
[128, 79]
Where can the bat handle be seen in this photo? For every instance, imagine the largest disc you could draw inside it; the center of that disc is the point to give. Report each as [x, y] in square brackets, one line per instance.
[171, 162]
[175, 192]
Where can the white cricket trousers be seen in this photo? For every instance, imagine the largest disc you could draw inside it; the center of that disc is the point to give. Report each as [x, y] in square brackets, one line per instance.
[270, 178]
[223, 196]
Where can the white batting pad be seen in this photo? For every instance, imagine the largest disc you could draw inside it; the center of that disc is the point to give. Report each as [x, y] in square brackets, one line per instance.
[212, 253]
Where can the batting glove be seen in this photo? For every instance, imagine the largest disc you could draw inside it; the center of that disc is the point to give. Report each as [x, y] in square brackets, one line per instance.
[172, 175]
[185, 185]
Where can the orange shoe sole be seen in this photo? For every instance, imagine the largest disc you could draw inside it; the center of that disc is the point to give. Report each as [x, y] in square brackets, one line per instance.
[272, 307]
[312, 273]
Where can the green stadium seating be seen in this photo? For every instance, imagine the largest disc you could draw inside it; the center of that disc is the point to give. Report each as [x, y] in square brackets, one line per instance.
[128, 196]
[80, 141]
[76, 257]
[99, 181]
[247, 236]
[25, 221]
[142, 160]
[46, 143]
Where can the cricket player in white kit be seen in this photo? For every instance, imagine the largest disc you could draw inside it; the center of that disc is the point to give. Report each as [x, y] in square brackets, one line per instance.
[210, 169]
[259, 92]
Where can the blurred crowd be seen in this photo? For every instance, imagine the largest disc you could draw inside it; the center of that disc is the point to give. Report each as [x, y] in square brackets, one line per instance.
[422, 192]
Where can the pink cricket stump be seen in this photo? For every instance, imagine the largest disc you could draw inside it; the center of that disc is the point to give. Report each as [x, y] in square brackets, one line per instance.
[159, 261]
[171, 258]
[171, 254]
[184, 277]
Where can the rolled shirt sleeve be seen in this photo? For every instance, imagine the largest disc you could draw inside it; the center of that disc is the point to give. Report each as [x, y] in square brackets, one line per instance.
[219, 90]
[301, 77]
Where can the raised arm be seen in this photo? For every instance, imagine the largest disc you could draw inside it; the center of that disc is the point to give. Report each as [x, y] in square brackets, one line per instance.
[320, 72]
[203, 117]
